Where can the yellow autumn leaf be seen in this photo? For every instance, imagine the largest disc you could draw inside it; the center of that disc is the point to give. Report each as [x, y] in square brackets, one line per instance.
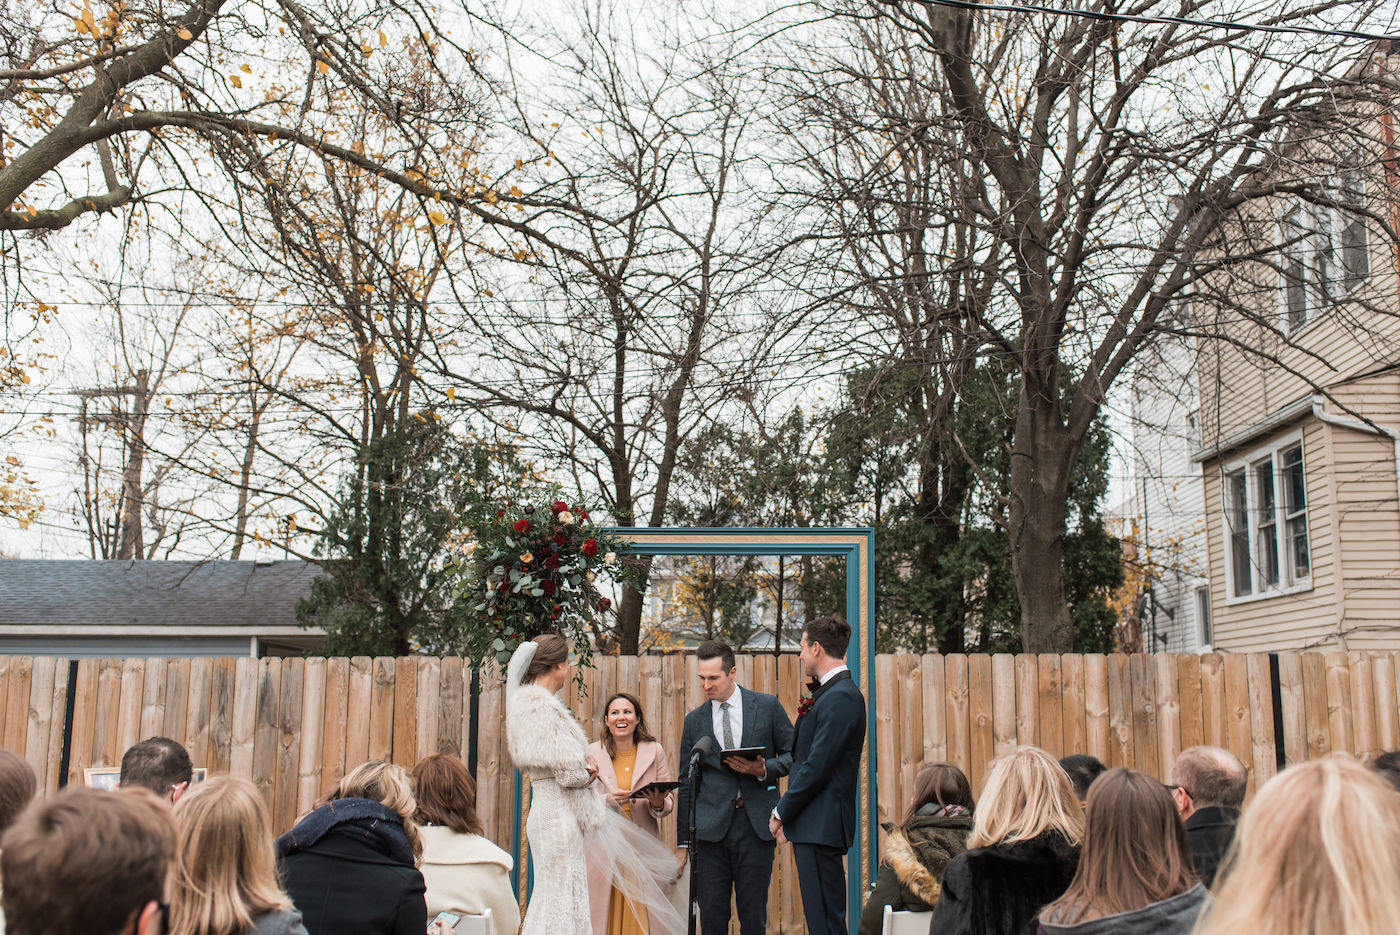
[322, 65]
[437, 217]
[246, 68]
[236, 81]
[11, 459]
[184, 33]
[383, 39]
[451, 395]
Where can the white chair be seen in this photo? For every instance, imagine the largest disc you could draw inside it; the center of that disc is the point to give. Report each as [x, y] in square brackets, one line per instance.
[480, 924]
[901, 923]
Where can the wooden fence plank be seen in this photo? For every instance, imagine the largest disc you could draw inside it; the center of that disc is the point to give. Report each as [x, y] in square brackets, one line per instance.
[357, 713]
[245, 722]
[38, 712]
[1098, 728]
[1003, 681]
[1027, 699]
[129, 711]
[313, 726]
[223, 702]
[106, 738]
[887, 697]
[267, 733]
[452, 714]
[197, 712]
[981, 746]
[85, 714]
[1189, 711]
[1213, 708]
[1120, 718]
[17, 707]
[429, 705]
[1050, 705]
[381, 710]
[1316, 706]
[1363, 704]
[58, 704]
[177, 695]
[405, 711]
[956, 697]
[1339, 716]
[931, 669]
[1239, 736]
[1143, 677]
[289, 738]
[1168, 704]
[1293, 708]
[1261, 718]
[1074, 735]
[153, 699]
[334, 737]
[909, 675]
[1387, 714]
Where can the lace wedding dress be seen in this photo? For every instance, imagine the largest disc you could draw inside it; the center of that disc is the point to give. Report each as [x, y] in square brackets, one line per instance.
[569, 825]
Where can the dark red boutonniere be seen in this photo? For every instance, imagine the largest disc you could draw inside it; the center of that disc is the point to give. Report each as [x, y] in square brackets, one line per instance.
[805, 703]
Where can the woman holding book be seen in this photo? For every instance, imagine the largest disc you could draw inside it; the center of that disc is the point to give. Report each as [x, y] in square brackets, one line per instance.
[628, 760]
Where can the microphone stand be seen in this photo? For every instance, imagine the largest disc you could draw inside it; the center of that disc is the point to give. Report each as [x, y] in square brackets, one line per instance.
[693, 780]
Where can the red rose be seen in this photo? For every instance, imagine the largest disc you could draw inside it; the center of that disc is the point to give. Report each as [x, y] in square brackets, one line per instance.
[500, 513]
[560, 538]
[582, 517]
[604, 603]
[521, 525]
[547, 587]
[589, 547]
[552, 562]
[559, 506]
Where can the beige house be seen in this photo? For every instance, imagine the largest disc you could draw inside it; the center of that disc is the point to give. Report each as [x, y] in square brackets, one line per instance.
[1299, 436]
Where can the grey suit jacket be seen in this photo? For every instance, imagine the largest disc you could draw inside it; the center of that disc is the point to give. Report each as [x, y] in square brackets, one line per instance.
[766, 725]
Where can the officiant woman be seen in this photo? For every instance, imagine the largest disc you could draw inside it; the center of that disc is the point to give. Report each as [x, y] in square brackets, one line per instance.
[627, 758]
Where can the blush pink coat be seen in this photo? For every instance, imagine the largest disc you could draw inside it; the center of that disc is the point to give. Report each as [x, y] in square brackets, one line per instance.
[650, 766]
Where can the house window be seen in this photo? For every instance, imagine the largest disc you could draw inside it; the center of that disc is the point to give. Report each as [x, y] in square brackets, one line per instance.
[1266, 522]
[1324, 251]
[1203, 614]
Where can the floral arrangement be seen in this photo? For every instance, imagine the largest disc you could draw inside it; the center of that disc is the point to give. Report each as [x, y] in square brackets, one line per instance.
[534, 569]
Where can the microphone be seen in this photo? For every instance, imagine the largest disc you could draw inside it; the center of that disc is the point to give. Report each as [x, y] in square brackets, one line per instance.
[703, 748]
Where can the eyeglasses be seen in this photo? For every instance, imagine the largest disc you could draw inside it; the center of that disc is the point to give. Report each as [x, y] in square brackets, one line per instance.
[1171, 788]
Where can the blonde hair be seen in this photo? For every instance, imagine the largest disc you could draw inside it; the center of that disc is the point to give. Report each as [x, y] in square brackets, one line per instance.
[390, 785]
[226, 868]
[1026, 795]
[1315, 852]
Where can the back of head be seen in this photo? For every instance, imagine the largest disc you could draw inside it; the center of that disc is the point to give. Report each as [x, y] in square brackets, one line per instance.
[226, 867]
[389, 785]
[446, 794]
[832, 632]
[1135, 850]
[1387, 766]
[158, 764]
[1315, 853]
[941, 784]
[1026, 795]
[1082, 770]
[1212, 776]
[17, 786]
[550, 650]
[86, 861]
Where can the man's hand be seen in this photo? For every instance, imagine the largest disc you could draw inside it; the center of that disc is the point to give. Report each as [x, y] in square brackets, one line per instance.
[682, 855]
[756, 768]
[776, 828]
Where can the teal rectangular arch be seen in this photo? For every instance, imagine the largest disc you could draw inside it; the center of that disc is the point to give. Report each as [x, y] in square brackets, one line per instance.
[856, 545]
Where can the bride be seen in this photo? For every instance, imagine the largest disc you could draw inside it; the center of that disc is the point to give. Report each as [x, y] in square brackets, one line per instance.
[569, 825]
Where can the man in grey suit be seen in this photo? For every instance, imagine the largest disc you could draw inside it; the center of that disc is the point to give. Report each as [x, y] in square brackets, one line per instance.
[733, 848]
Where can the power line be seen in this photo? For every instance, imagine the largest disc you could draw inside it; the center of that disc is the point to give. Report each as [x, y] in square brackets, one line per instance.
[1162, 20]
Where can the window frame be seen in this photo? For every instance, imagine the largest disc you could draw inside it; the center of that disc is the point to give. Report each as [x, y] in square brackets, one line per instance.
[1315, 238]
[1282, 521]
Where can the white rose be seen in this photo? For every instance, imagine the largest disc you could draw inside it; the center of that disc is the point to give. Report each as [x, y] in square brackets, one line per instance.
[610, 557]
[566, 518]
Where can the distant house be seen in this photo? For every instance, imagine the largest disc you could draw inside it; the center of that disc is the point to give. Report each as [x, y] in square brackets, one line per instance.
[1300, 436]
[80, 608]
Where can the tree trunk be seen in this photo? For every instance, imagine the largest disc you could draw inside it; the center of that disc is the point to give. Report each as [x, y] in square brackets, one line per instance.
[1041, 457]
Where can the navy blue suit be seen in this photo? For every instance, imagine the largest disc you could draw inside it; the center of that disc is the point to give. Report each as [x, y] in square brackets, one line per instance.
[819, 809]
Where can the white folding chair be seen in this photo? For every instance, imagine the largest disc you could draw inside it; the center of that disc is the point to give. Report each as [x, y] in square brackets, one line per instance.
[480, 924]
[903, 923]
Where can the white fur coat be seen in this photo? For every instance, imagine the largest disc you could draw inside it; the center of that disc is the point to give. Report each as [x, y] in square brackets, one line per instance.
[545, 741]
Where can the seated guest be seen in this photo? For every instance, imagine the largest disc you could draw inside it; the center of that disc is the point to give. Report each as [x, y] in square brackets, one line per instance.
[1387, 766]
[1022, 852]
[1315, 854]
[463, 872]
[1208, 787]
[88, 861]
[1135, 874]
[351, 866]
[225, 879]
[159, 764]
[934, 832]
[17, 787]
[627, 758]
[1082, 770]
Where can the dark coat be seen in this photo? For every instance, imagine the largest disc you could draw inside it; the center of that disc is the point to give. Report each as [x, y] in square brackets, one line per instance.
[819, 806]
[999, 890]
[766, 725]
[913, 862]
[1211, 831]
[1175, 915]
[345, 884]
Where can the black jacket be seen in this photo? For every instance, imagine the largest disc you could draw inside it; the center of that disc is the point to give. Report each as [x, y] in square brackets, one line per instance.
[1211, 831]
[819, 806]
[913, 861]
[999, 890]
[345, 885]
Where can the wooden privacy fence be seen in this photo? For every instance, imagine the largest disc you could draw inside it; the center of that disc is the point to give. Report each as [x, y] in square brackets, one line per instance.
[293, 726]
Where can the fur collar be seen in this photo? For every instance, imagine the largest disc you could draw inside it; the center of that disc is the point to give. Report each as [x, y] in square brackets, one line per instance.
[541, 733]
[912, 873]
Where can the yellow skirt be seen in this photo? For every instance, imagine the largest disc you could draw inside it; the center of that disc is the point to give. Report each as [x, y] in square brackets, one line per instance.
[621, 919]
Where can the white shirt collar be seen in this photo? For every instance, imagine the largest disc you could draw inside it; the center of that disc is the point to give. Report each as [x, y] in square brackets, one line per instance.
[832, 673]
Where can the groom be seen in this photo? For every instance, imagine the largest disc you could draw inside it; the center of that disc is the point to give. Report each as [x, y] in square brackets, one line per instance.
[818, 813]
